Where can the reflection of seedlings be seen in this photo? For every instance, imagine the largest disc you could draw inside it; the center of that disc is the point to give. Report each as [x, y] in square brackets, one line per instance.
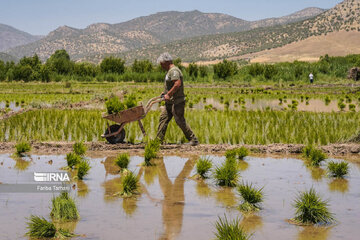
[129, 185]
[83, 168]
[317, 173]
[338, 170]
[339, 185]
[226, 229]
[227, 174]
[129, 205]
[64, 208]
[242, 165]
[251, 222]
[203, 166]
[202, 189]
[83, 189]
[315, 233]
[251, 197]
[311, 209]
[22, 147]
[21, 164]
[79, 148]
[123, 160]
[226, 197]
[150, 174]
[39, 227]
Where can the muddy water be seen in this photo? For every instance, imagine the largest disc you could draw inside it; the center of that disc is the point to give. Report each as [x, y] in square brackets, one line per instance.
[173, 206]
[12, 106]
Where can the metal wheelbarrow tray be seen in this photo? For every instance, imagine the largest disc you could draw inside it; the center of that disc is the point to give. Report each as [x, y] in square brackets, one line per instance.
[116, 132]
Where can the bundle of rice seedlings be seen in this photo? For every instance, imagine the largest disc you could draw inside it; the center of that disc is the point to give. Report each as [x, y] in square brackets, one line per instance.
[230, 230]
[313, 155]
[203, 166]
[83, 168]
[39, 227]
[338, 170]
[251, 197]
[242, 152]
[151, 149]
[22, 147]
[72, 159]
[129, 185]
[64, 208]
[231, 153]
[307, 150]
[122, 160]
[79, 148]
[227, 174]
[311, 209]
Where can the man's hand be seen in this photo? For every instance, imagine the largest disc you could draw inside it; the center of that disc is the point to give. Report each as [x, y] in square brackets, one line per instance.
[167, 97]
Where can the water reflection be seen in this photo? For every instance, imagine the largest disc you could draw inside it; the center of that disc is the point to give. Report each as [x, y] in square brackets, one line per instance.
[150, 174]
[314, 233]
[112, 187]
[129, 205]
[226, 197]
[110, 167]
[82, 188]
[317, 173]
[251, 223]
[202, 189]
[243, 165]
[339, 185]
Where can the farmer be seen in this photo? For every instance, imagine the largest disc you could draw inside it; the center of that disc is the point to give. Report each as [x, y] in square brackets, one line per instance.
[174, 100]
[311, 78]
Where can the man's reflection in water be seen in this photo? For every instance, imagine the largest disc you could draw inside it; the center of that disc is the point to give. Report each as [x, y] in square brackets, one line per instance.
[174, 199]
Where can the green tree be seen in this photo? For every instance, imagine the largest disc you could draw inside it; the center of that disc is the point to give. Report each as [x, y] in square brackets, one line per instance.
[193, 70]
[142, 66]
[60, 62]
[2, 71]
[112, 65]
[225, 69]
[85, 69]
[203, 70]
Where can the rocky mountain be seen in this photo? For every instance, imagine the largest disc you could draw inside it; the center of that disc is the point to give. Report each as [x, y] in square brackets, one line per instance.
[102, 38]
[7, 58]
[11, 37]
[343, 17]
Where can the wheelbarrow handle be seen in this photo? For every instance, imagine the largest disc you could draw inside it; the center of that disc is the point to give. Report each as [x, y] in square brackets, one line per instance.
[152, 102]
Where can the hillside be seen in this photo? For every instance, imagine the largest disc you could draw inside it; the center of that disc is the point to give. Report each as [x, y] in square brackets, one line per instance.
[160, 28]
[11, 37]
[7, 58]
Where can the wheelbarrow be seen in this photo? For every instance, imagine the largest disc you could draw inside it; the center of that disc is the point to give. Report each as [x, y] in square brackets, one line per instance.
[116, 132]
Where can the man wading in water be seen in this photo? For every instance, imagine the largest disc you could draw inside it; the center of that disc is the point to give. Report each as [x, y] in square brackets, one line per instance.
[174, 100]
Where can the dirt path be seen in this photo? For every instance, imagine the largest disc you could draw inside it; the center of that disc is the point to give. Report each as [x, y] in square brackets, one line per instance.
[65, 147]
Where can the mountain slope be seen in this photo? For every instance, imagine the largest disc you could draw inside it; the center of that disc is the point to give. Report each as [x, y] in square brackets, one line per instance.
[11, 37]
[102, 38]
[7, 58]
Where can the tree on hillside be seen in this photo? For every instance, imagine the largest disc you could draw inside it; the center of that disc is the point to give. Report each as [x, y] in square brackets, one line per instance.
[60, 62]
[112, 65]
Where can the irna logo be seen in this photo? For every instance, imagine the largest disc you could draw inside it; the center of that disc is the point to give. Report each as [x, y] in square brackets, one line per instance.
[51, 177]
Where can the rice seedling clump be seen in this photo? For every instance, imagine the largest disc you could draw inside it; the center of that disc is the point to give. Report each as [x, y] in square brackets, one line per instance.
[129, 184]
[311, 209]
[114, 105]
[227, 174]
[72, 159]
[22, 147]
[251, 197]
[83, 168]
[39, 227]
[230, 230]
[242, 152]
[151, 149]
[64, 208]
[79, 148]
[231, 153]
[338, 170]
[123, 160]
[203, 167]
[314, 156]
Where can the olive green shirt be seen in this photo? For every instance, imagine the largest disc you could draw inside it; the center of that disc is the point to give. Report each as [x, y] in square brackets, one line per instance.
[172, 75]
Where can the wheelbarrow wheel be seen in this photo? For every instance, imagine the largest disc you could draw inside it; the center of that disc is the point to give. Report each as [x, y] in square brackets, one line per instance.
[119, 138]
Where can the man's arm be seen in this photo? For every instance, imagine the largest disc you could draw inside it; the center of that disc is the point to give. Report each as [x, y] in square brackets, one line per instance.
[177, 85]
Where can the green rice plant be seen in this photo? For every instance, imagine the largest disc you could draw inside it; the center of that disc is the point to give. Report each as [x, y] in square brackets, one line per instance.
[151, 150]
[83, 168]
[251, 197]
[327, 100]
[227, 174]
[64, 208]
[22, 147]
[231, 153]
[338, 170]
[352, 107]
[130, 101]
[230, 230]
[242, 152]
[311, 209]
[307, 150]
[39, 227]
[114, 105]
[79, 148]
[129, 184]
[122, 160]
[203, 166]
[72, 159]
[316, 157]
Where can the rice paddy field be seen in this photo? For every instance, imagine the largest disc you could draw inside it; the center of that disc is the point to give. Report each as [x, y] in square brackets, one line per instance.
[157, 193]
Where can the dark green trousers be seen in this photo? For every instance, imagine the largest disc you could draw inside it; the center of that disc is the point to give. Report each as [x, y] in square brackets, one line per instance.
[176, 111]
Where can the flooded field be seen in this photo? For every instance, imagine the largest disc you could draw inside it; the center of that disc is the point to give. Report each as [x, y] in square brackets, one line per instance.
[172, 205]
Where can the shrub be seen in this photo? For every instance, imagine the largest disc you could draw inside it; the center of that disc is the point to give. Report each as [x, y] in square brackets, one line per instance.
[83, 168]
[203, 166]
[22, 147]
[64, 208]
[79, 148]
[123, 160]
[251, 197]
[311, 209]
[230, 230]
[338, 170]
